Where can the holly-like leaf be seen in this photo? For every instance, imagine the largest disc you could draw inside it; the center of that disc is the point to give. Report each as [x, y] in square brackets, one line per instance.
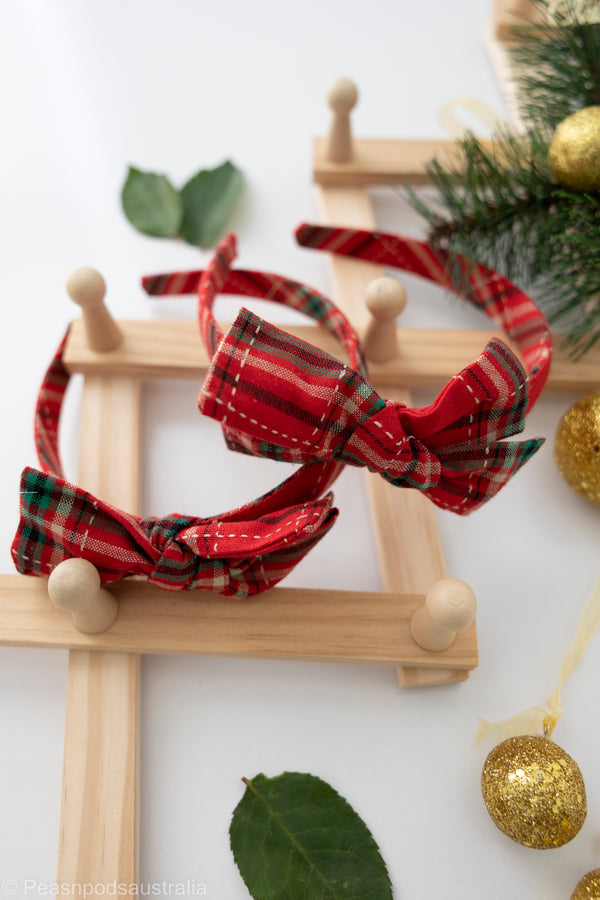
[151, 203]
[208, 201]
[294, 837]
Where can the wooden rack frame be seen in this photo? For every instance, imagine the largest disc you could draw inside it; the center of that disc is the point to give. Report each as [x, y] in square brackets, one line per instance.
[99, 813]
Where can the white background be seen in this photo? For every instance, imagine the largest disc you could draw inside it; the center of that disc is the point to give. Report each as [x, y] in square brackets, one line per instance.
[88, 89]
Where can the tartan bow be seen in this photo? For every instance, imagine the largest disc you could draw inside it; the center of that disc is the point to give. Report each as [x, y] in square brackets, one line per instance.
[60, 521]
[279, 397]
[238, 553]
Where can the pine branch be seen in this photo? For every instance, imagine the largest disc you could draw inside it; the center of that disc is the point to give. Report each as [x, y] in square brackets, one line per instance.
[500, 204]
[493, 201]
[557, 68]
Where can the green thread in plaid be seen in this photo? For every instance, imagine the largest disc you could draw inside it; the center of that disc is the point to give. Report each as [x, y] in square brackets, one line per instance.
[277, 397]
[175, 552]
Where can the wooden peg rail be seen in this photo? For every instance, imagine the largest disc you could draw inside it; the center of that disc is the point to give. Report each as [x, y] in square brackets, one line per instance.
[380, 161]
[426, 357]
[284, 623]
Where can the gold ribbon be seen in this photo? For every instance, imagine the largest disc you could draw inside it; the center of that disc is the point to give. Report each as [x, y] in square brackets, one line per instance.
[537, 720]
[450, 121]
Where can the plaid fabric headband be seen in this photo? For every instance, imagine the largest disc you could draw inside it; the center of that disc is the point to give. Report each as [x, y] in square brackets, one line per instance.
[276, 396]
[502, 301]
[238, 553]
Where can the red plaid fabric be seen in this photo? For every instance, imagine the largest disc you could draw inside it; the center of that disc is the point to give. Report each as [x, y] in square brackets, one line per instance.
[504, 303]
[219, 277]
[279, 397]
[238, 553]
[47, 412]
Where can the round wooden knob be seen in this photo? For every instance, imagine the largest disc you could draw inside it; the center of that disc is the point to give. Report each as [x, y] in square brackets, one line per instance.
[450, 606]
[74, 585]
[385, 299]
[342, 96]
[86, 287]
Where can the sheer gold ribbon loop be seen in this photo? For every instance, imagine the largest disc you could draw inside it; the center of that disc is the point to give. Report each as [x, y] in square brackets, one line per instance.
[451, 122]
[537, 720]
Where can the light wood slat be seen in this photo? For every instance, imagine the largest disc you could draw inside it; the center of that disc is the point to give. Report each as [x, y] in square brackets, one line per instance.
[98, 830]
[409, 546]
[411, 556]
[284, 623]
[350, 277]
[404, 526]
[110, 440]
[162, 348]
[381, 162]
[99, 811]
[427, 358]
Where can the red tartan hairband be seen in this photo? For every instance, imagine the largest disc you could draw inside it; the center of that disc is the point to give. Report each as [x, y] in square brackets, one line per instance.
[278, 397]
[219, 277]
[238, 553]
[502, 301]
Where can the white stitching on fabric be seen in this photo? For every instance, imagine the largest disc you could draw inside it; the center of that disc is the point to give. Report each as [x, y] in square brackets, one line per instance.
[85, 537]
[258, 537]
[243, 363]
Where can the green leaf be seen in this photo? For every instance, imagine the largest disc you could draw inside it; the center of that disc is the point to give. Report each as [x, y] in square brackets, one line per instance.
[151, 203]
[294, 838]
[208, 201]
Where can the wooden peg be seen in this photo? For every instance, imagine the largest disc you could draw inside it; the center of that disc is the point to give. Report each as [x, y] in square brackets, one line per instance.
[87, 288]
[74, 585]
[449, 607]
[342, 98]
[385, 299]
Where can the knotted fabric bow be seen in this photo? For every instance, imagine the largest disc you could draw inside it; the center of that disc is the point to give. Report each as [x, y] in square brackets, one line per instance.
[238, 553]
[278, 397]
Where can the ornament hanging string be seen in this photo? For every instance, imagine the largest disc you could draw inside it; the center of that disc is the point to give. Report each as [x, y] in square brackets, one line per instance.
[451, 122]
[536, 719]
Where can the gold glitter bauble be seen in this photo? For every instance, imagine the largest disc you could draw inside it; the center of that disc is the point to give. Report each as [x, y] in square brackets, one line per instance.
[574, 154]
[577, 447]
[534, 792]
[588, 888]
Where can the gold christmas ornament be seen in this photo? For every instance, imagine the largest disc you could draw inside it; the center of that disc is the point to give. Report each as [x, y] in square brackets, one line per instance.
[577, 447]
[534, 792]
[574, 154]
[588, 888]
